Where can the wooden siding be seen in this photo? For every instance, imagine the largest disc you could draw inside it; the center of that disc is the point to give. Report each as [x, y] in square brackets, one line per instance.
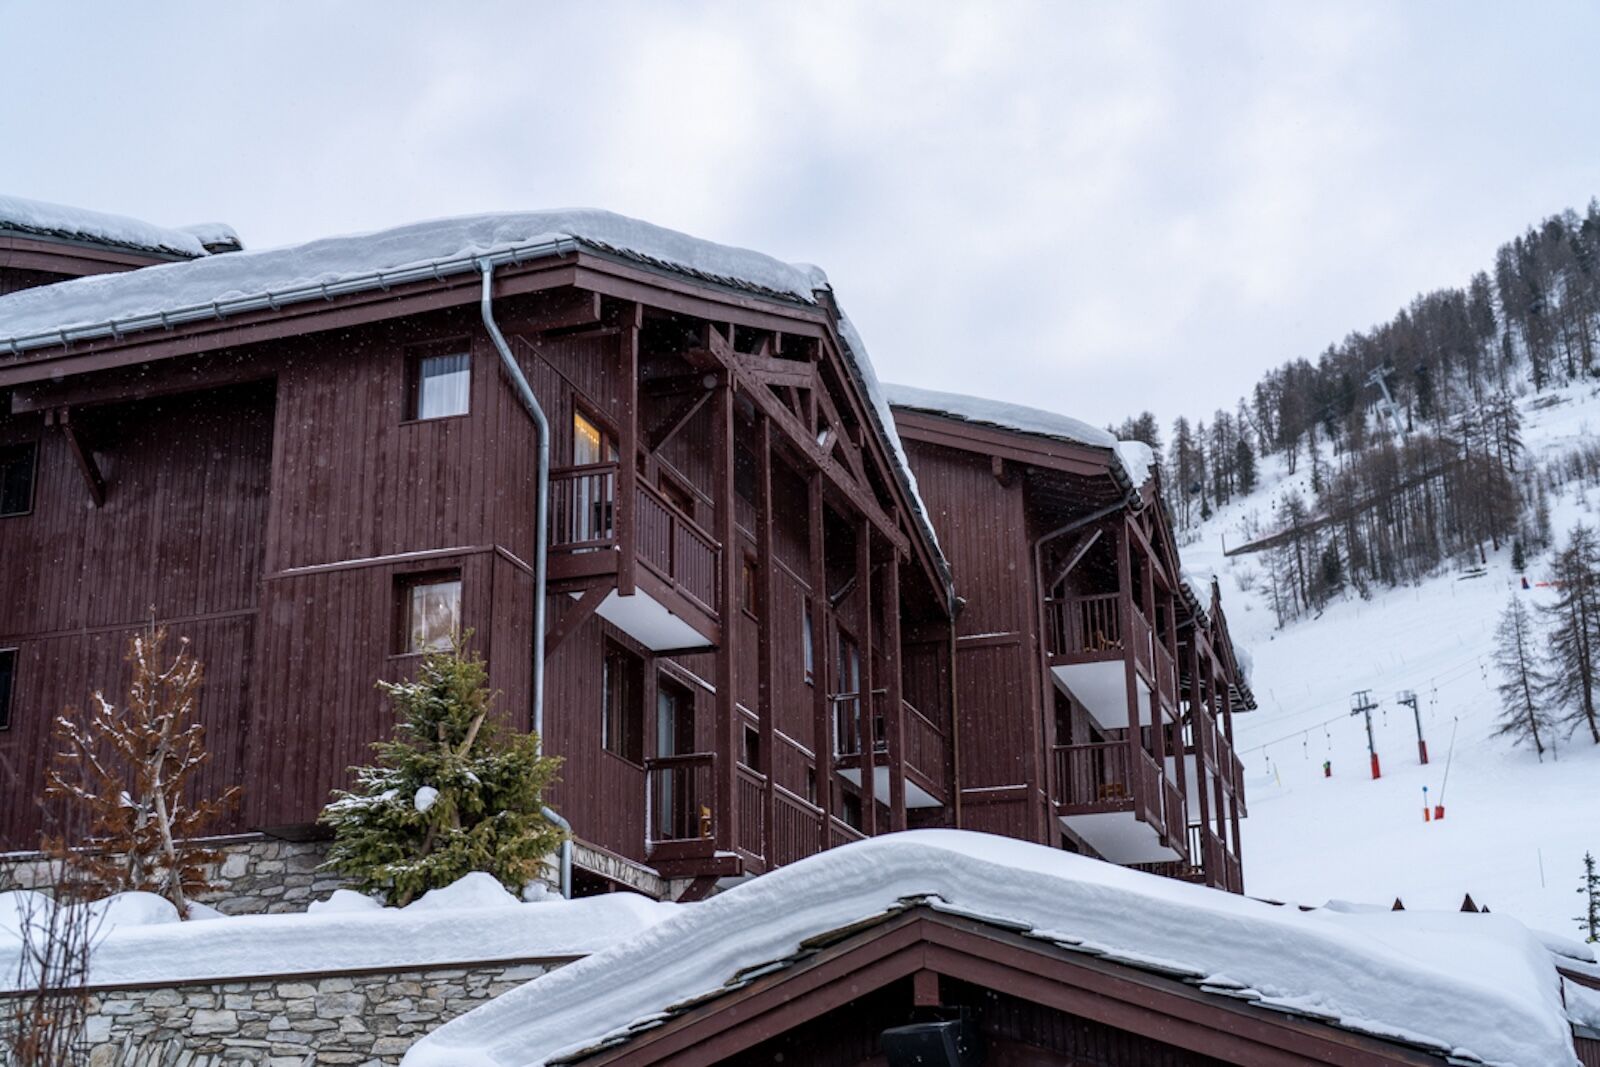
[179, 536]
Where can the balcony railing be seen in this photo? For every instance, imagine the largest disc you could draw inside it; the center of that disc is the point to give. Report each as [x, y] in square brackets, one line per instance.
[583, 519]
[680, 799]
[1174, 811]
[1085, 625]
[752, 819]
[1109, 776]
[925, 745]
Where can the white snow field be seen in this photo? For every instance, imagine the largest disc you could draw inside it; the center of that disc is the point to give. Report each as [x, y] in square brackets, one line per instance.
[1515, 830]
[142, 940]
[1477, 986]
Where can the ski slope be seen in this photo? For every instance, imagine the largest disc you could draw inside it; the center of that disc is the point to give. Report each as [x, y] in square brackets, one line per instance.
[1515, 829]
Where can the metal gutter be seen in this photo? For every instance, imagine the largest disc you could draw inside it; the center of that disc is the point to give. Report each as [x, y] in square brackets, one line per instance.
[217, 310]
[541, 535]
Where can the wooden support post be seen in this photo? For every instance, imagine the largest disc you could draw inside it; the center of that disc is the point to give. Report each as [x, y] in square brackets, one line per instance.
[821, 661]
[1197, 713]
[727, 748]
[1129, 654]
[766, 567]
[625, 507]
[893, 666]
[869, 743]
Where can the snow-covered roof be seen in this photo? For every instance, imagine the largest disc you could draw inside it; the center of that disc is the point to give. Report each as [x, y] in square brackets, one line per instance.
[214, 286]
[1134, 458]
[39, 218]
[1472, 985]
[141, 939]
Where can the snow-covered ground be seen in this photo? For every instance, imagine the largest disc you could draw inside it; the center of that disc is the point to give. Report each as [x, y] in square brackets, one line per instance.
[1515, 829]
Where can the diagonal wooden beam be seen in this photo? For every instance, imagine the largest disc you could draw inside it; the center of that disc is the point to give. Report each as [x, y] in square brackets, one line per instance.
[675, 420]
[779, 372]
[576, 615]
[83, 457]
[1074, 557]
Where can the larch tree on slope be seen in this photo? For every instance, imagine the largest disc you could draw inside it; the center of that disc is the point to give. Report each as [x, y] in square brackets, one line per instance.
[1589, 921]
[453, 792]
[1574, 665]
[1522, 715]
[127, 776]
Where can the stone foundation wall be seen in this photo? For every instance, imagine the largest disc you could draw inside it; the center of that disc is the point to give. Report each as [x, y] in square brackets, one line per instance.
[363, 1020]
[257, 875]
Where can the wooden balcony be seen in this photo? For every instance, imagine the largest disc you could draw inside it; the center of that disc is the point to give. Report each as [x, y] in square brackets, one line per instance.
[1100, 778]
[923, 759]
[681, 816]
[1090, 640]
[674, 563]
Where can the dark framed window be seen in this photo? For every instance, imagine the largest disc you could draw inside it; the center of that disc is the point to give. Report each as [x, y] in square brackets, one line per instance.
[808, 635]
[750, 586]
[439, 383]
[811, 784]
[8, 679]
[17, 467]
[622, 714]
[752, 748]
[428, 611]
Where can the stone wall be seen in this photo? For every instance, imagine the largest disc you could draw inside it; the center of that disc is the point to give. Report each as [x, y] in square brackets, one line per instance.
[360, 1019]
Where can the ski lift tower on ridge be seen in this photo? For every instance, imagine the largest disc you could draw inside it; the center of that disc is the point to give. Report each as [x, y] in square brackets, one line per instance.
[1379, 377]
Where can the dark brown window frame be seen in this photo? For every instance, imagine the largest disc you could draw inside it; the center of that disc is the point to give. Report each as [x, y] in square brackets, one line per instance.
[633, 753]
[404, 583]
[8, 692]
[413, 356]
[32, 451]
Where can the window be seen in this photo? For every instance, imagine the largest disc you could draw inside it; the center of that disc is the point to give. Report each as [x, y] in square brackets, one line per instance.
[430, 611]
[750, 586]
[8, 676]
[850, 810]
[752, 748]
[16, 478]
[810, 643]
[811, 784]
[590, 443]
[622, 717]
[676, 493]
[441, 384]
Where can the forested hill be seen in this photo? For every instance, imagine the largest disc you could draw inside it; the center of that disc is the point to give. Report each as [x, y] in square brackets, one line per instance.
[1408, 431]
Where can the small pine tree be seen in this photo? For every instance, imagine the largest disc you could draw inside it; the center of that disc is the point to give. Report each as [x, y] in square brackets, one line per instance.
[1519, 557]
[451, 793]
[125, 773]
[1589, 921]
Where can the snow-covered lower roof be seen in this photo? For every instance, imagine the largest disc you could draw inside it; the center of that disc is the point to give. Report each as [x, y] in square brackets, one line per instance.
[1135, 458]
[39, 218]
[252, 280]
[1472, 985]
[141, 940]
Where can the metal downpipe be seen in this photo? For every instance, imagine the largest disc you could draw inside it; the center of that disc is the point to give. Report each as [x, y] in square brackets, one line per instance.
[541, 538]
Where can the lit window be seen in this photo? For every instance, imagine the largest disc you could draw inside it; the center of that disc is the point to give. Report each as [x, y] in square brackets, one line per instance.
[16, 478]
[8, 675]
[590, 444]
[432, 609]
[440, 385]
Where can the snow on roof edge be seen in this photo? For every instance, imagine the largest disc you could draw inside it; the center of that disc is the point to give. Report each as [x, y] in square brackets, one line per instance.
[1475, 986]
[63, 221]
[1019, 418]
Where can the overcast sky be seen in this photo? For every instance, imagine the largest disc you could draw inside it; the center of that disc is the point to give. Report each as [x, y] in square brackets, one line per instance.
[1094, 208]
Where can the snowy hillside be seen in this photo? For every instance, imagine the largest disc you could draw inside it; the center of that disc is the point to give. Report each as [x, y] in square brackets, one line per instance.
[1515, 830]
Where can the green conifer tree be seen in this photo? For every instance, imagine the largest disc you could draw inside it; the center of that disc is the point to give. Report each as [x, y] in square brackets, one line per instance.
[1589, 921]
[453, 792]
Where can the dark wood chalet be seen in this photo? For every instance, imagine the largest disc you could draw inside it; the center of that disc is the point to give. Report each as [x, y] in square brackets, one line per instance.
[313, 463]
[1095, 686]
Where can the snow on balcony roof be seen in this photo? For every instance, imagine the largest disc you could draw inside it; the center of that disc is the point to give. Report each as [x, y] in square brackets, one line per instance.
[152, 297]
[41, 219]
[1134, 458]
[1470, 985]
